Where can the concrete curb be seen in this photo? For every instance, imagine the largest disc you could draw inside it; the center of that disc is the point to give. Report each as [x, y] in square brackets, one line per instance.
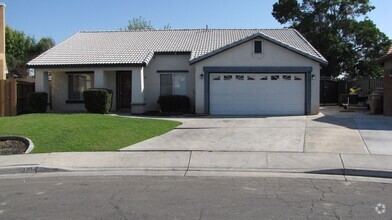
[29, 169]
[20, 138]
[199, 172]
[184, 163]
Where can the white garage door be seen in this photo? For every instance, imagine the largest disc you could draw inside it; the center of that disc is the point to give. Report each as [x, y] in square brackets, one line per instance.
[257, 94]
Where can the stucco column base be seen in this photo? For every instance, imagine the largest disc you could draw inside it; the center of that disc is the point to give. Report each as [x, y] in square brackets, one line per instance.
[138, 108]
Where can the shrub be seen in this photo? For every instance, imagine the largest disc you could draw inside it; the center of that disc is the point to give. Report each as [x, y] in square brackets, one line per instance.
[98, 100]
[174, 103]
[37, 102]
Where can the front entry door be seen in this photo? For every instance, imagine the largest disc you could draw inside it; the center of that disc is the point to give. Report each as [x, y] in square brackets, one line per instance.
[124, 91]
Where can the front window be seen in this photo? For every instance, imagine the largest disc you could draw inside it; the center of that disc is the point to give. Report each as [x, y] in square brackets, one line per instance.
[173, 84]
[77, 84]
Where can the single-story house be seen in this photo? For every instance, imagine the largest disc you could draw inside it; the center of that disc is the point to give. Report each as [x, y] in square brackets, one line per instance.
[386, 61]
[222, 71]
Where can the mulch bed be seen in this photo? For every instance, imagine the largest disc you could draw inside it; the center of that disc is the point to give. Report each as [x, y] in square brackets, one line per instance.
[12, 147]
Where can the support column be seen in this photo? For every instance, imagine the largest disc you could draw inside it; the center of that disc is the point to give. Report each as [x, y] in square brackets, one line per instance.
[99, 79]
[138, 101]
[41, 81]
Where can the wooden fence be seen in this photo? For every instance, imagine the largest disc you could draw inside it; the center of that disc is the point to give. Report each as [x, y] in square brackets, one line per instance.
[13, 96]
[331, 90]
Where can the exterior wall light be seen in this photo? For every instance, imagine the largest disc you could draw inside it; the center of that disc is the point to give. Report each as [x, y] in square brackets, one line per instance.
[202, 76]
[313, 76]
[390, 74]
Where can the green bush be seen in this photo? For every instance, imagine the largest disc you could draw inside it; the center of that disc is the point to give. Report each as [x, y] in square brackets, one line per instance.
[98, 100]
[174, 103]
[37, 102]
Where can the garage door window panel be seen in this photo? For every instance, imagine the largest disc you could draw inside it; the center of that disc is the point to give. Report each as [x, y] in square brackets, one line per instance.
[275, 77]
[227, 77]
[263, 77]
[250, 77]
[216, 77]
[239, 77]
[298, 77]
[286, 77]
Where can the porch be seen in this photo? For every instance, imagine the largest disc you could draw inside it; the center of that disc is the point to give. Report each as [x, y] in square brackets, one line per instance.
[68, 84]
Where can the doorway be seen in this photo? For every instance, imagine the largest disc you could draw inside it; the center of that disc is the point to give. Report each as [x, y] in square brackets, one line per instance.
[124, 89]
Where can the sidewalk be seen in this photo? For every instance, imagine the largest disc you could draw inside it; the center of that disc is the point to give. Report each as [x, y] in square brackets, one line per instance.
[185, 163]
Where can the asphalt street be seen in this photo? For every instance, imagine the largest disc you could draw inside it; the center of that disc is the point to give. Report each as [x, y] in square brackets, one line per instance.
[131, 197]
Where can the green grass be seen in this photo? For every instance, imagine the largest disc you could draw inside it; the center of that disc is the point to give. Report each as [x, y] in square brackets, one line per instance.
[82, 132]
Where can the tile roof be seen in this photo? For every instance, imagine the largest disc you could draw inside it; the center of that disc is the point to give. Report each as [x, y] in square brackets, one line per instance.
[138, 47]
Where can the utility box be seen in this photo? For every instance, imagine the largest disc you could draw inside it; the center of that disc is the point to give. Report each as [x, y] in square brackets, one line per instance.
[376, 103]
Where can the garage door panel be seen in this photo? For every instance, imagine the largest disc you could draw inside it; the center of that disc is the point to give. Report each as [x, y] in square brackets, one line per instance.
[285, 96]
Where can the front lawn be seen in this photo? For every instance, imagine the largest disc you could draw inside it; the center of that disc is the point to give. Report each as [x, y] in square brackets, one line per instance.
[82, 132]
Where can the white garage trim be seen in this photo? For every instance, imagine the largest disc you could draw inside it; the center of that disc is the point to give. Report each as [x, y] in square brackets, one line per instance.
[260, 72]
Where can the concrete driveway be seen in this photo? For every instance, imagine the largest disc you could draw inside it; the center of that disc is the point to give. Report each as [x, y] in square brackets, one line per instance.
[331, 131]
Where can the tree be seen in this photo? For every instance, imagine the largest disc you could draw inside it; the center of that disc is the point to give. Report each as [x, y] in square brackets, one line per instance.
[139, 24]
[167, 27]
[20, 49]
[340, 30]
[43, 45]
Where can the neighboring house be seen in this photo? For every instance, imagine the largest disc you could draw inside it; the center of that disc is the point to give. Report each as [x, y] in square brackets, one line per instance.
[222, 71]
[386, 60]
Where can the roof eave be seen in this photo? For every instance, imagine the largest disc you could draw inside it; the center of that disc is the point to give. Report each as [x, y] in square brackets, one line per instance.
[54, 66]
[382, 59]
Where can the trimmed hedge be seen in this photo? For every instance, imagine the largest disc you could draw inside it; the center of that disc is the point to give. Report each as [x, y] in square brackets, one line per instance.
[174, 103]
[37, 102]
[98, 100]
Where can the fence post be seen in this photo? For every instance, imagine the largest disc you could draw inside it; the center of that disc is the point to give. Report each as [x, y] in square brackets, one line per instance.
[12, 97]
[2, 98]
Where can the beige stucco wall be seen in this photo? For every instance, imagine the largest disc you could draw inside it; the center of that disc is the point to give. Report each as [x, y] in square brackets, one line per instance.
[242, 56]
[152, 77]
[60, 94]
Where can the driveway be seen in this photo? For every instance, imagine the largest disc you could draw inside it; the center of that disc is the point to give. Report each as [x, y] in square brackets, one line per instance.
[331, 131]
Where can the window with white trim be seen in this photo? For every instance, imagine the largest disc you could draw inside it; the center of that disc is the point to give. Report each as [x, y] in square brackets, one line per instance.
[173, 84]
[77, 83]
[258, 47]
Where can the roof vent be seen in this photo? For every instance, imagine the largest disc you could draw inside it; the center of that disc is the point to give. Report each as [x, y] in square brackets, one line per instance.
[206, 27]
